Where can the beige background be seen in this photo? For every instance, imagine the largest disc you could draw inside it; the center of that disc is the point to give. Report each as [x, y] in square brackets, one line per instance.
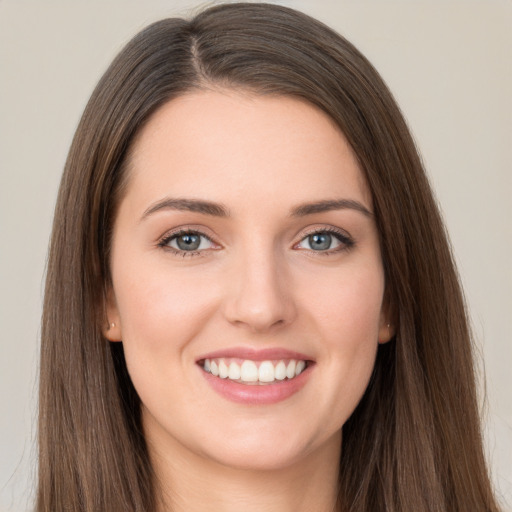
[449, 65]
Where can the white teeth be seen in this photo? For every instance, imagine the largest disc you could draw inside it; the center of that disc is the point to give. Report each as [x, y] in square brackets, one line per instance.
[300, 367]
[266, 372]
[223, 369]
[280, 371]
[234, 371]
[290, 369]
[249, 371]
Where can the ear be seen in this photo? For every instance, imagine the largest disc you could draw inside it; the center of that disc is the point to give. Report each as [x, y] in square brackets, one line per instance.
[386, 331]
[386, 322]
[112, 323]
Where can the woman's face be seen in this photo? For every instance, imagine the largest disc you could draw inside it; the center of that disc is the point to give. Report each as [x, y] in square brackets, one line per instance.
[247, 279]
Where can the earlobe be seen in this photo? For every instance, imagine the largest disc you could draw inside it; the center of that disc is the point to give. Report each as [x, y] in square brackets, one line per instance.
[112, 332]
[112, 328]
[388, 319]
[386, 332]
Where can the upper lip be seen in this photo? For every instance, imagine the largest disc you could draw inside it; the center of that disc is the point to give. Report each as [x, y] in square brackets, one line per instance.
[256, 354]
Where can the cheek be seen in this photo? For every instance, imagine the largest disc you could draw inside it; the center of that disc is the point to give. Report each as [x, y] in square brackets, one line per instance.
[355, 313]
[348, 316]
[350, 305]
[160, 312]
[160, 316]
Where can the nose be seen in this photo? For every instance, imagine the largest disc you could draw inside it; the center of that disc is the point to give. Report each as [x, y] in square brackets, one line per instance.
[260, 294]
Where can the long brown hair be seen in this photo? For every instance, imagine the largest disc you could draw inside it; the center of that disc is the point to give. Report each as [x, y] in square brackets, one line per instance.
[414, 441]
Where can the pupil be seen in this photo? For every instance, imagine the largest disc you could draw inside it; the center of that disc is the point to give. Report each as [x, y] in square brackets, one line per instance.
[320, 241]
[188, 242]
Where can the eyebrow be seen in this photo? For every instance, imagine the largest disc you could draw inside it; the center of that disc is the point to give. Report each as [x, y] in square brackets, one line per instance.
[189, 205]
[329, 205]
[219, 210]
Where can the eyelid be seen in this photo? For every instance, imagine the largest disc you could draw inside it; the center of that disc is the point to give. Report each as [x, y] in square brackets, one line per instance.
[165, 239]
[345, 239]
[325, 229]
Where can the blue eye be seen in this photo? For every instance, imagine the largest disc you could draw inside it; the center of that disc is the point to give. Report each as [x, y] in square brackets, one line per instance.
[193, 242]
[325, 241]
[188, 241]
[320, 241]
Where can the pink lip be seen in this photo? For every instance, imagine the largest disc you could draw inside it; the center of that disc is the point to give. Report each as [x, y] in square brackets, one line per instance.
[266, 394]
[267, 354]
[256, 394]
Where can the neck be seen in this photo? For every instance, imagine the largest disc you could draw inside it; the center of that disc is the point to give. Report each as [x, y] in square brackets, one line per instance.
[189, 482]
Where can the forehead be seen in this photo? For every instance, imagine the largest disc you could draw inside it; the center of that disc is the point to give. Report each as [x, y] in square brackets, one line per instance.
[228, 145]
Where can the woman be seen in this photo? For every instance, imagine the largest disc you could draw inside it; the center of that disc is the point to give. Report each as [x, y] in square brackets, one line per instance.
[250, 298]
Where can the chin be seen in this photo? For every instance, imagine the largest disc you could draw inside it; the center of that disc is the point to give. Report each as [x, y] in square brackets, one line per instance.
[269, 449]
[262, 458]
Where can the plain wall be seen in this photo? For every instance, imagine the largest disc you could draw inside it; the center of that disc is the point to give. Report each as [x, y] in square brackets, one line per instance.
[449, 66]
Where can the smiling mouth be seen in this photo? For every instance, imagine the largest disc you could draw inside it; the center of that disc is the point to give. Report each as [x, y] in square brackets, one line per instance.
[247, 371]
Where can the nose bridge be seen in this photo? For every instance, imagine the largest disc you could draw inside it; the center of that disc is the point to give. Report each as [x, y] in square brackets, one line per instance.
[261, 295]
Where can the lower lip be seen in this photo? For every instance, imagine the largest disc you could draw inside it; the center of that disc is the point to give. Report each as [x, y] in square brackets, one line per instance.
[258, 394]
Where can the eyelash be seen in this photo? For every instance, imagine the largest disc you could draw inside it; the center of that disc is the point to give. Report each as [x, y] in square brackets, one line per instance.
[166, 240]
[346, 241]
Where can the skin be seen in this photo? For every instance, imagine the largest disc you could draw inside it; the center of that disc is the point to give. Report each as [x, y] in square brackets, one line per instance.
[258, 283]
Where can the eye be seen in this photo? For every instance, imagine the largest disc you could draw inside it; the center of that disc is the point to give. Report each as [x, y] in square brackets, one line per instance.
[326, 241]
[187, 242]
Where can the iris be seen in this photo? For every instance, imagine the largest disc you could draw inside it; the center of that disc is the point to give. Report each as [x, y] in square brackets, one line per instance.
[320, 241]
[188, 242]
